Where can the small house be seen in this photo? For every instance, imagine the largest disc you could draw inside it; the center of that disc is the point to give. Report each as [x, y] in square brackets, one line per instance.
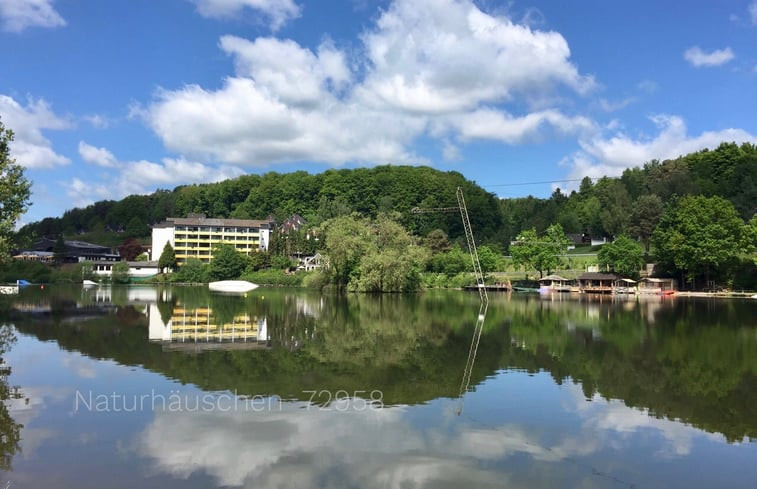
[597, 282]
[556, 283]
[650, 285]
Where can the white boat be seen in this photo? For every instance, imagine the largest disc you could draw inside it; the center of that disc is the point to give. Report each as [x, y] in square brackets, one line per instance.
[88, 283]
[8, 289]
[235, 286]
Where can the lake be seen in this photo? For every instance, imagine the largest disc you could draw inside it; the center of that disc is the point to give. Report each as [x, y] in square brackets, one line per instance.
[129, 387]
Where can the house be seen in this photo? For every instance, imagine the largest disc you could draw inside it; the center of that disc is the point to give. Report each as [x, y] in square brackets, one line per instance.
[556, 283]
[75, 251]
[196, 236]
[138, 270]
[310, 263]
[658, 286]
[597, 282]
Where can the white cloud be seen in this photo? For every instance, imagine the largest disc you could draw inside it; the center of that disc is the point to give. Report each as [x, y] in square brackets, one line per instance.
[138, 177]
[438, 56]
[500, 126]
[753, 12]
[98, 121]
[425, 66]
[698, 58]
[17, 15]
[608, 106]
[96, 156]
[600, 156]
[277, 11]
[31, 149]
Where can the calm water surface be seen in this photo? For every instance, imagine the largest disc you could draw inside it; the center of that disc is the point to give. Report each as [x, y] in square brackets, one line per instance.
[143, 387]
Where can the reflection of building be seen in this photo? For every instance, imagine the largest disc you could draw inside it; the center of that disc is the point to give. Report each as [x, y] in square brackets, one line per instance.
[199, 329]
[196, 236]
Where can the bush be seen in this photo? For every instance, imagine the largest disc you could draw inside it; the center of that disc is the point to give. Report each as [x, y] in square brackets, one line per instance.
[33, 271]
[275, 277]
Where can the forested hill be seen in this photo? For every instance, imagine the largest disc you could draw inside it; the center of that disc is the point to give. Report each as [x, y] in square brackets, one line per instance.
[315, 197]
[607, 207]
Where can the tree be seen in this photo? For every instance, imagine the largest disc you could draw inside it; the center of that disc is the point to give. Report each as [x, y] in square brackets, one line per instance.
[227, 263]
[540, 253]
[624, 256]
[130, 249]
[438, 241]
[120, 273]
[699, 235]
[59, 250]
[645, 215]
[192, 271]
[167, 260]
[14, 192]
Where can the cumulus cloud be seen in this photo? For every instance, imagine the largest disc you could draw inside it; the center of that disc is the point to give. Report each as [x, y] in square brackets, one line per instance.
[31, 148]
[17, 15]
[699, 58]
[424, 67]
[500, 126]
[277, 11]
[600, 156]
[96, 156]
[139, 177]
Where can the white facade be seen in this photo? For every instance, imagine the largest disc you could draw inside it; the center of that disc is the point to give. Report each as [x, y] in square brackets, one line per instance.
[161, 236]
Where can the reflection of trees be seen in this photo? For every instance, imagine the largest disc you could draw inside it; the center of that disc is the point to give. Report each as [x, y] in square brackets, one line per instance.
[698, 363]
[10, 430]
[695, 361]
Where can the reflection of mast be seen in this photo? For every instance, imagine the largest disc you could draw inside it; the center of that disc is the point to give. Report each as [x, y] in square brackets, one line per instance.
[480, 285]
[472, 354]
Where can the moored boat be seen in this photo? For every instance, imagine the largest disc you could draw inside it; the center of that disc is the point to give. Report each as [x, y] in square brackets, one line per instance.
[233, 286]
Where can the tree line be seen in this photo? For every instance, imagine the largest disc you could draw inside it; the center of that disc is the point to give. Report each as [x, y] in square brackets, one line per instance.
[660, 206]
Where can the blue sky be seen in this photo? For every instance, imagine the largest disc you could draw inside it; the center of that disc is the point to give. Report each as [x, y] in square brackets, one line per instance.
[119, 97]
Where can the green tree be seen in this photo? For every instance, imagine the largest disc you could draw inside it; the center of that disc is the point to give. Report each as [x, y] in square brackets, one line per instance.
[488, 259]
[227, 263]
[438, 241]
[59, 250]
[120, 273]
[193, 271]
[347, 240]
[645, 215]
[540, 253]
[698, 235]
[167, 259]
[624, 256]
[14, 192]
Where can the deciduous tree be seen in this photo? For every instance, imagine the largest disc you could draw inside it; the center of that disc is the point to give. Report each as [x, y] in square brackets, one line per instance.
[698, 235]
[624, 256]
[14, 192]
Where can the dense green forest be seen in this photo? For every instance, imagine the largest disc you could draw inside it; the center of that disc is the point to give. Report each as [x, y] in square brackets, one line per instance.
[607, 207]
[695, 214]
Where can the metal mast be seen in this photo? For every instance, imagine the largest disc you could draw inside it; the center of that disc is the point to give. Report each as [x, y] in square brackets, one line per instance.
[468, 236]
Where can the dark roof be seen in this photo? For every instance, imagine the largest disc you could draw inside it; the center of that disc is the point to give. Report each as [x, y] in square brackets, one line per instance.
[212, 221]
[597, 276]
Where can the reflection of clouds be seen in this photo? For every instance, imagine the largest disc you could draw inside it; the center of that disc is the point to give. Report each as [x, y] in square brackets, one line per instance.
[299, 447]
[83, 367]
[614, 416]
[27, 408]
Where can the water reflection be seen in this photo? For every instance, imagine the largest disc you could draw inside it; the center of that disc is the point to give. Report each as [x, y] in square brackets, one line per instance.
[557, 393]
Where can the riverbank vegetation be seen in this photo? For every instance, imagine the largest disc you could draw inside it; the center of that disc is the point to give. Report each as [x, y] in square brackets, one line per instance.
[693, 216]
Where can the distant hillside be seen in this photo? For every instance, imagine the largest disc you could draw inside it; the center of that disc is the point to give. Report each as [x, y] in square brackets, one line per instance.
[315, 197]
[605, 207]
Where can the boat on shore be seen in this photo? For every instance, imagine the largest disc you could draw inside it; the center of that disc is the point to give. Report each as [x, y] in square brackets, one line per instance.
[232, 286]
